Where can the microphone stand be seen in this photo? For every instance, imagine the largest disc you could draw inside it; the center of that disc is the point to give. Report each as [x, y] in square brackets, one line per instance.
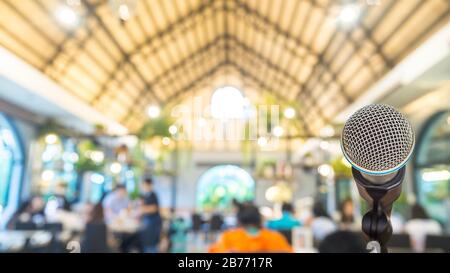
[376, 223]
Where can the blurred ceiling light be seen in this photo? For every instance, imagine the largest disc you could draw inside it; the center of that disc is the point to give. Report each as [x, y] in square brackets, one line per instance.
[124, 12]
[153, 111]
[97, 156]
[124, 9]
[115, 168]
[325, 170]
[289, 113]
[173, 129]
[51, 139]
[432, 176]
[48, 175]
[97, 178]
[262, 141]
[165, 141]
[278, 131]
[349, 15]
[67, 16]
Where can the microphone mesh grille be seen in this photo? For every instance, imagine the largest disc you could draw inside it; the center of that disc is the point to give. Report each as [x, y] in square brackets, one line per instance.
[377, 138]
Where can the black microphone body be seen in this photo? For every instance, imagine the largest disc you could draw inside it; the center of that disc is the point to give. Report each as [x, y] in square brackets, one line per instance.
[376, 223]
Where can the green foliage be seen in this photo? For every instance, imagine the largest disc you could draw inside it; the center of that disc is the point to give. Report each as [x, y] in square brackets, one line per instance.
[263, 164]
[156, 127]
[85, 163]
[52, 127]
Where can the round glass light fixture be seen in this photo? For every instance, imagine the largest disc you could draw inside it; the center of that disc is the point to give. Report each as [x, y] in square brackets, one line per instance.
[325, 170]
[278, 131]
[67, 16]
[262, 141]
[97, 156]
[165, 141]
[349, 15]
[115, 168]
[51, 139]
[173, 129]
[48, 175]
[123, 9]
[153, 111]
[289, 113]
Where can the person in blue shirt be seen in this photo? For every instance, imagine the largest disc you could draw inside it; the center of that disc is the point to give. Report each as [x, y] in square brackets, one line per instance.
[286, 223]
[151, 218]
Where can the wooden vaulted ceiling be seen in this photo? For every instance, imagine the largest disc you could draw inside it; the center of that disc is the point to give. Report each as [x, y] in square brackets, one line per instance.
[293, 48]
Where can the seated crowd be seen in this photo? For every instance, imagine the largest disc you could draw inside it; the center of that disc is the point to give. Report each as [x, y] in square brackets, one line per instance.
[119, 224]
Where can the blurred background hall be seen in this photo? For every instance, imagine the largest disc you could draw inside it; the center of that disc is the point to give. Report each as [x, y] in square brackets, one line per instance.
[214, 125]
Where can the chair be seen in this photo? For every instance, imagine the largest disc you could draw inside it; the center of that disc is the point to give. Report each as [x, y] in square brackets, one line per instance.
[95, 238]
[53, 227]
[399, 243]
[438, 242]
[25, 226]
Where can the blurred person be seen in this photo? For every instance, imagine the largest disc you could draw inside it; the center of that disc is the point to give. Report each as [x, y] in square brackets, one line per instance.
[96, 237]
[178, 232]
[250, 236]
[215, 226]
[346, 214]
[230, 218]
[23, 208]
[150, 234]
[30, 214]
[196, 228]
[197, 222]
[419, 226]
[342, 242]
[286, 222]
[321, 223]
[115, 202]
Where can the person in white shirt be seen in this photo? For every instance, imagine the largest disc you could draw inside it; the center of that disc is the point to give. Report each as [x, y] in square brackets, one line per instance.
[419, 227]
[115, 202]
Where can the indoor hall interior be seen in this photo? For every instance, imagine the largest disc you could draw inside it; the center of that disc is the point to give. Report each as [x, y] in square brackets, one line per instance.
[169, 125]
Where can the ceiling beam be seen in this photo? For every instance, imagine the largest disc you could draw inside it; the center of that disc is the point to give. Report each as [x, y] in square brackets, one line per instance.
[149, 41]
[117, 44]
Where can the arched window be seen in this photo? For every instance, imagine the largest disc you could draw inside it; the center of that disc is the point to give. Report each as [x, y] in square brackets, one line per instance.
[11, 166]
[432, 166]
[219, 185]
[227, 103]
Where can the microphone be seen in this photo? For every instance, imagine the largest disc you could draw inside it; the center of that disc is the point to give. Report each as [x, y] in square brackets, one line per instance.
[378, 140]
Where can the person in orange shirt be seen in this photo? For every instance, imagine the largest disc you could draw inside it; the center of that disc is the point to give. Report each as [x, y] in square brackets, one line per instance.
[250, 236]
